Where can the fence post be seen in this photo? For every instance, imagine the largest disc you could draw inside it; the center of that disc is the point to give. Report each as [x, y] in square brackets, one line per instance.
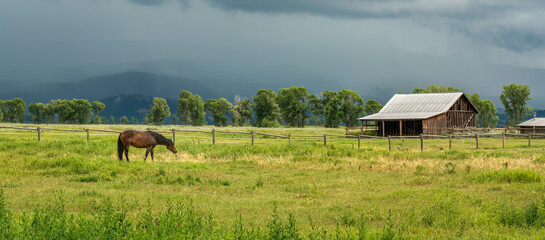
[253, 137]
[214, 137]
[289, 139]
[529, 137]
[325, 140]
[421, 142]
[449, 142]
[389, 143]
[173, 136]
[39, 134]
[87, 130]
[502, 140]
[477, 141]
[359, 139]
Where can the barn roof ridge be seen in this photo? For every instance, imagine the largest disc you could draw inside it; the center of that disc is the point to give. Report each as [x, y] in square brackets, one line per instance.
[536, 121]
[417, 106]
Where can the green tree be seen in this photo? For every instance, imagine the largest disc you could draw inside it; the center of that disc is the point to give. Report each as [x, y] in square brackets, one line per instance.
[83, 111]
[64, 110]
[159, 111]
[20, 108]
[184, 108]
[293, 105]
[219, 109]
[36, 111]
[197, 111]
[514, 99]
[242, 111]
[266, 109]
[73, 111]
[190, 108]
[487, 111]
[326, 106]
[174, 120]
[435, 89]
[133, 120]
[351, 107]
[49, 113]
[124, 120]
[97, 107]
[112, 120]
[372, 107]
[13, 110]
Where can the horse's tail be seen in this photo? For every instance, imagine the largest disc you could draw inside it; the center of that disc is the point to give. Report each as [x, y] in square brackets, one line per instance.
[120, 148]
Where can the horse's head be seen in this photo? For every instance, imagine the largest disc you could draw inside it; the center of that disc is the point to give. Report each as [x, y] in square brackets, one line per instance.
[172, 148]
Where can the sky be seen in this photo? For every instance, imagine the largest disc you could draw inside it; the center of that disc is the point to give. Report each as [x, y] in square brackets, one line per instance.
[376, 47]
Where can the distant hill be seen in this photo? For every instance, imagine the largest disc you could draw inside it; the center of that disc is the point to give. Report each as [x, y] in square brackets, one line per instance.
[132, 105]
[146, 84]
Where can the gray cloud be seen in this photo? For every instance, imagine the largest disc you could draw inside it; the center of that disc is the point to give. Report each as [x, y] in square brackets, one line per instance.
[185, 3]
[515, 25]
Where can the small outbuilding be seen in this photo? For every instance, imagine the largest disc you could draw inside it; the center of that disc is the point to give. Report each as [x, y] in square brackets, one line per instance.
[534, 125]
[425, 113]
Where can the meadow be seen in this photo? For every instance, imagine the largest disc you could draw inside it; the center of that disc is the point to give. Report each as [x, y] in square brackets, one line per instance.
[65, 187]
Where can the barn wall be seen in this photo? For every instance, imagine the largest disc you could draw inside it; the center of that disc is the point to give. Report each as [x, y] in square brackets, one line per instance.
[462, 114]
[435, 125]
[526, 130]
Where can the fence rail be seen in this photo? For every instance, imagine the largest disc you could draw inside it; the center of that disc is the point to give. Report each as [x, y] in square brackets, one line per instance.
[422, 138]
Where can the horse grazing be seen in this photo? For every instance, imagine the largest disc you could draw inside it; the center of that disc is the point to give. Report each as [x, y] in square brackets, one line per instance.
[142, 139]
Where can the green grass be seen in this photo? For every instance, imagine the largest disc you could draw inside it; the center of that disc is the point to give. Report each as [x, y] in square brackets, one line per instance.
[65, 187]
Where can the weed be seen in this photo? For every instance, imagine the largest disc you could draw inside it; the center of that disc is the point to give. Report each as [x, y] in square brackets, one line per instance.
[259, 183]
[420, 169]
[451, 167]
[510, 176]
[88, 178]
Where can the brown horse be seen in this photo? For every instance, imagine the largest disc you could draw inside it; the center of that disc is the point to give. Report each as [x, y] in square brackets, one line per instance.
[142, 139]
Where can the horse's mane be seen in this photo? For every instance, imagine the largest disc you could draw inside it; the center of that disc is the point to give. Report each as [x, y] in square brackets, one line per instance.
[160, 138]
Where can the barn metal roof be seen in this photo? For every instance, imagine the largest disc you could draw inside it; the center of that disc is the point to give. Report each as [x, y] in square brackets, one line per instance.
[415, 106]
[537, 122]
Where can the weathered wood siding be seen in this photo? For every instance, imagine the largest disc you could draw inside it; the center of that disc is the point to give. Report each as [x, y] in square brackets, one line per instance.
[462, 114]
[435, 125]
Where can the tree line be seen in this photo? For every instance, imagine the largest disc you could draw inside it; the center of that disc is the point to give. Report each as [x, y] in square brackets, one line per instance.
[293, 107]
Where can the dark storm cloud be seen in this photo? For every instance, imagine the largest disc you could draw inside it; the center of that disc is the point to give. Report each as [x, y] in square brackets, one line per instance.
[515, 25]
[184, 3]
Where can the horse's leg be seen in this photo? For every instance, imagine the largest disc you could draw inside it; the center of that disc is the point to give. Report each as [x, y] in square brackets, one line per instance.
[152, 150]
[127, 153]
[147, 151]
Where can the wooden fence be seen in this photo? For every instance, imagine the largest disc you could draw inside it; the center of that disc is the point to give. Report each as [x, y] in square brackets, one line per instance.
[422, 138]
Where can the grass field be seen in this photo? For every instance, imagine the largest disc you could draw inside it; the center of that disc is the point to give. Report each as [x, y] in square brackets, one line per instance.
[66, 187]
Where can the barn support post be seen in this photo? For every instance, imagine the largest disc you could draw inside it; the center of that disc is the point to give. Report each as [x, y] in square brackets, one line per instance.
[383, 129]
[39, 134]
[400, 128]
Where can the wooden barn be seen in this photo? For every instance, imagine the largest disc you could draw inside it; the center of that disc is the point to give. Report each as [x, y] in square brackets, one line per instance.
[534, 125]
[426, 113]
